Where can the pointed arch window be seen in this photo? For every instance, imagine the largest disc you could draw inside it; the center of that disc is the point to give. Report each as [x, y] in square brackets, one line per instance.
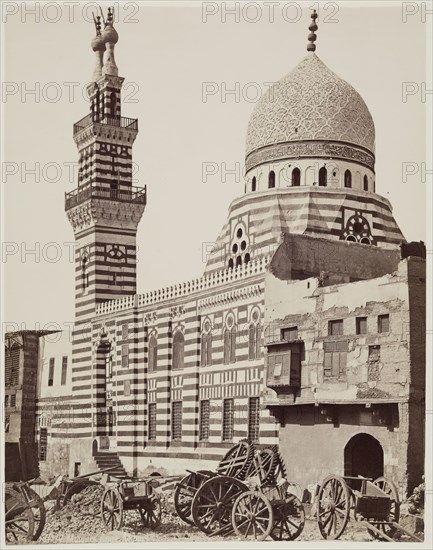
[153, 354]
[178, 350]
[271, 179]
[206, 349]
[347, 178]
[254, 184]
[365, 183]
[296, 177]
[323, 177]
[230, 346]
[254, 336]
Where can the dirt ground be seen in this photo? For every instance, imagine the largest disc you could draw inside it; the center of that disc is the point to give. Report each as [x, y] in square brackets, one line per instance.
[80, 522]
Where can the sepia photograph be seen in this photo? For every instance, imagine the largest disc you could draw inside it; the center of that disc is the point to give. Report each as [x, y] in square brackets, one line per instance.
[216, 269]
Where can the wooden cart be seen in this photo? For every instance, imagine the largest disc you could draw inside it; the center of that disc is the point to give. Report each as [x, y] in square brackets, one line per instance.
[24, 513]
[248, 494]
[138, 494]
[374, 503]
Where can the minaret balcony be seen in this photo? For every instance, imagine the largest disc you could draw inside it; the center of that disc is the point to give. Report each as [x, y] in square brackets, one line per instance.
[130, 194]
[117, 122]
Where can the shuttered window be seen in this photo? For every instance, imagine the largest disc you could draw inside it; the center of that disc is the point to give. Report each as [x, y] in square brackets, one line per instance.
[228, 419]
[12, 366]
[253, 418]
[43, 437]
[176, 421]
[204, 420]
[152, 422]
[254, 340]
[335, 359]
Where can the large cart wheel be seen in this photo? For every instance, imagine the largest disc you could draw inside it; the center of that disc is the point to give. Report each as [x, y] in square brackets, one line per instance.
[213, 503]
[237, 461]
[264, 465]
[388, 487]
[19, 522]
[289, 518]
[38, 509]
[280, 471]
[151, 513]
[333, 507]
[112, 508]
[185, 491]
[252, 516]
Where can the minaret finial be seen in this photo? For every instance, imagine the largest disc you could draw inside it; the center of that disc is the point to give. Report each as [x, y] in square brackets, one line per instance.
[110, 37]
[312, 36]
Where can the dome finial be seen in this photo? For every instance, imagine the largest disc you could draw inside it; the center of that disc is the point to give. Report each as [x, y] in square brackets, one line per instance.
[312, 36]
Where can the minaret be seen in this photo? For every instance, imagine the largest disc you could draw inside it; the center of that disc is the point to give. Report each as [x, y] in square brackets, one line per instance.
[105, 208]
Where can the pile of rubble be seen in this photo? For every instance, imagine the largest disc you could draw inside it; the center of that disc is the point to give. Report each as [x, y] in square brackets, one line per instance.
[79, 521]
[412, 511]
[81, 515]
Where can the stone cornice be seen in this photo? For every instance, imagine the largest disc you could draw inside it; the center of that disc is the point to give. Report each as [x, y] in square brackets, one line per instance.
[105, 212]
[335, 150]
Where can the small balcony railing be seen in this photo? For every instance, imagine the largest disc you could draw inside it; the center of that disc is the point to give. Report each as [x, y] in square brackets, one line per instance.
[136, 195]
[118, 122]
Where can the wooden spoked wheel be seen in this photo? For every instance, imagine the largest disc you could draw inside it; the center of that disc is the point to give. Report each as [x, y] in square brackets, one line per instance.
[185, 492]
[289, 518]
[38, 509]
[265, 464]
[213, 503]
[19, 522]
[112, 509]
[252, 516]
[388, 487]
[333, 507]
[151, 513]
[237, 461]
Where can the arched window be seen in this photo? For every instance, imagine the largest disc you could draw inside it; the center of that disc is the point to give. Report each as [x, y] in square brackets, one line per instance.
[230, 264]
[206, 349]
[296, 177]
[152, 354]
[254, 184]
[323, 177]
[347, 178]
[271, 179]
[365, 183]
[254, 341]
[230, 346]
[258, 340]
[238, 261]
[178, 350]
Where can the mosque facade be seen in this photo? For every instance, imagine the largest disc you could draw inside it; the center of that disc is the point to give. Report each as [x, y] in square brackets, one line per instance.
[306, 329]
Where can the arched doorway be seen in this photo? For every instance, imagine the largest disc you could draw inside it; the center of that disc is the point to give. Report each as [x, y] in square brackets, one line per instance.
[363, 456]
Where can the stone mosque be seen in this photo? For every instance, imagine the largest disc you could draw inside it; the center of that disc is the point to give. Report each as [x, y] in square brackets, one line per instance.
[306, 329]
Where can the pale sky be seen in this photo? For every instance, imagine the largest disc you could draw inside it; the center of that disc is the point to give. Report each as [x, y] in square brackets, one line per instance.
[166, 55]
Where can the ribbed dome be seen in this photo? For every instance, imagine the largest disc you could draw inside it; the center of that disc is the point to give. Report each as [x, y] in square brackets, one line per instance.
[310, 103]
